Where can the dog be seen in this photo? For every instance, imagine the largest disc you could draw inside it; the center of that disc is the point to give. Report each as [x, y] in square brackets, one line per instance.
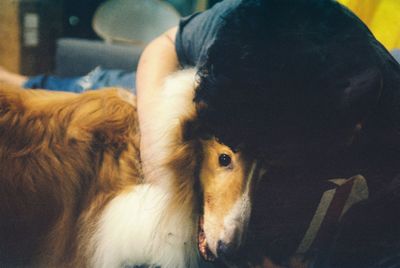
[73, 194]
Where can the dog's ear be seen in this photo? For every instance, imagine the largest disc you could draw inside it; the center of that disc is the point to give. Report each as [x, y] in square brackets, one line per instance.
[194, 128]
[191, 130]
[361, 94]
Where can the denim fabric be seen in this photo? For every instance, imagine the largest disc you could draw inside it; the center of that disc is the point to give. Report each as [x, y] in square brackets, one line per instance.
[53, 83]
[98, 78]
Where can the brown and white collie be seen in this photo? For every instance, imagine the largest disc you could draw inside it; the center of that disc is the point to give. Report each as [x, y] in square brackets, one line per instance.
[72, 191]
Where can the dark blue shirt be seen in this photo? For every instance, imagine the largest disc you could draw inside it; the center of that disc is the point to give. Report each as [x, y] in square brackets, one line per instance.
[196, 33]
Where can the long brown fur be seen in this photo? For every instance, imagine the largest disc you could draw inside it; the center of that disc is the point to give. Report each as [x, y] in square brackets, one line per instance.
[63, 156]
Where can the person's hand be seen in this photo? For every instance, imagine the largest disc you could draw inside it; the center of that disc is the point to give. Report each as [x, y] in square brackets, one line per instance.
[12, 78]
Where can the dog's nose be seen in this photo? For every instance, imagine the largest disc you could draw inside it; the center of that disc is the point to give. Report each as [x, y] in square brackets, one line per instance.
[224, 250]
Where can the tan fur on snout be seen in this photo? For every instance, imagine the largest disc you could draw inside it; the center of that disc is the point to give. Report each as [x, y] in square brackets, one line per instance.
[226, 195]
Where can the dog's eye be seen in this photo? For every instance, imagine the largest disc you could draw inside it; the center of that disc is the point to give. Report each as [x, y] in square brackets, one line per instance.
[224, 160]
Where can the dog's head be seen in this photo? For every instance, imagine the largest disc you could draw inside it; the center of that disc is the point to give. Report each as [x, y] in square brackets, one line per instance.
[217, 178]
[226, 178]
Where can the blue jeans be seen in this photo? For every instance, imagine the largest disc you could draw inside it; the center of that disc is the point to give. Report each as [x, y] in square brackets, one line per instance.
[98, 78]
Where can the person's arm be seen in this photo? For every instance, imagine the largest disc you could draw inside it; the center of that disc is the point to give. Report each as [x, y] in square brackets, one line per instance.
[159, 59]
[186, 46]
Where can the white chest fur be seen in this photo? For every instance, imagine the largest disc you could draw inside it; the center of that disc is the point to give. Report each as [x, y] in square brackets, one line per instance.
[135, 229]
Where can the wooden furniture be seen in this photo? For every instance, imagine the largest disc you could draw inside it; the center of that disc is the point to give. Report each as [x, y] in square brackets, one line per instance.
[28, 30]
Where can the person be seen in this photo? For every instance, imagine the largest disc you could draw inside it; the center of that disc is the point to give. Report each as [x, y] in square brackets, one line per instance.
[302, 85]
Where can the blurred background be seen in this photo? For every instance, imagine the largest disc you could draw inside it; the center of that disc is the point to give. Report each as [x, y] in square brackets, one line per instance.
[71, 37]
[36, 35]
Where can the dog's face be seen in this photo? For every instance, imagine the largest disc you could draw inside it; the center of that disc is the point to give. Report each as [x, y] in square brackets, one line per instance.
[226, 179]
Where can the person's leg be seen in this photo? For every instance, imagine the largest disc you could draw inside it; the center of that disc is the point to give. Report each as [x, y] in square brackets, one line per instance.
[55, 83]
[98, 78]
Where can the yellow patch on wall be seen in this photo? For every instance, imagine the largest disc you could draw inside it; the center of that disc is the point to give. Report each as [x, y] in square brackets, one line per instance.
[381, 16]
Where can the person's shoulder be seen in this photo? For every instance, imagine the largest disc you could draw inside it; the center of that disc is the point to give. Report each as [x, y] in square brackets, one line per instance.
[226, 6]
